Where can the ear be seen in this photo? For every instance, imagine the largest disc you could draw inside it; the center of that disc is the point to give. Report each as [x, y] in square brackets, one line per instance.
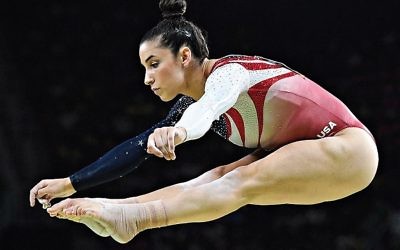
[185, 56]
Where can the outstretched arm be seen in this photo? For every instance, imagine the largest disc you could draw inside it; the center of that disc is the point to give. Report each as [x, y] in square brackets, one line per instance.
[116, 163]
[176, 189]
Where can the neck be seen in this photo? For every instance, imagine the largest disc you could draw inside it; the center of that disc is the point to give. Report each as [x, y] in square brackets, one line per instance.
[198, 78]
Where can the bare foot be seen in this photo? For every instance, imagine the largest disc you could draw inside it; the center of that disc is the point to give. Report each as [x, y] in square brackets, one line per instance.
[89, 222]
[93, 225]
[105, 219]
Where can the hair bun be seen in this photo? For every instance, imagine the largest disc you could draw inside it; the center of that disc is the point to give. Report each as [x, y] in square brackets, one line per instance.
[172, 8]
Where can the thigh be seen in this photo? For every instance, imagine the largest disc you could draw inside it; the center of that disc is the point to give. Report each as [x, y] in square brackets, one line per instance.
[220, 171]
[312, 171]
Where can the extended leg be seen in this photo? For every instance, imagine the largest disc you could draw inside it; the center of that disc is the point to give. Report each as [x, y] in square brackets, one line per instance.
[304, 172]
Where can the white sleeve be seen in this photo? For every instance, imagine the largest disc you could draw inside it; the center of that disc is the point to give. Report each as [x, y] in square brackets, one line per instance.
[222, 90]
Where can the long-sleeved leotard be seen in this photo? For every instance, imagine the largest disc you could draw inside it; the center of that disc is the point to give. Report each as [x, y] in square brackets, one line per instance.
[250, 101]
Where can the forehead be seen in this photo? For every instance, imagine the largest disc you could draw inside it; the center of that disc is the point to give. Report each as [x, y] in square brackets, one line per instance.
[152, 48]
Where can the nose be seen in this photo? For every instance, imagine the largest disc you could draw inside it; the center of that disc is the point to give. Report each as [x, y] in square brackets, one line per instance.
[148, 80]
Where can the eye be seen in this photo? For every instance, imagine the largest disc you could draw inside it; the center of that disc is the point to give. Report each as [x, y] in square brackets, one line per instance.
[154, 64]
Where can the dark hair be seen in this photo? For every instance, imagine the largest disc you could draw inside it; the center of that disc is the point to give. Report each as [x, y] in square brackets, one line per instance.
[175, 31]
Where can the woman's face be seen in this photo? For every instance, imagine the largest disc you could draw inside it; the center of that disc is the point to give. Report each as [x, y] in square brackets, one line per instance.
[164, 72]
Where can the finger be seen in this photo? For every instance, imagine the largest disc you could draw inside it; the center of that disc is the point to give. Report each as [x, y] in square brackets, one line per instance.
[172, 156]
[158, 139]
[167, 156]
[44, 199]
[150, 140]
[165, 152]
[158, 143]
[170, 139]
[161, 142]
[171, 143]
[45, 203]
[34, 191]
[43, 193]
[155, 151]
[151, 147]
[32, 194]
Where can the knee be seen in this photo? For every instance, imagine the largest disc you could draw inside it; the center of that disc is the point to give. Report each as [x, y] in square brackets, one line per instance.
[357, 181]
[365, 175]
[355, 164]
[363, 162]
[218, 172]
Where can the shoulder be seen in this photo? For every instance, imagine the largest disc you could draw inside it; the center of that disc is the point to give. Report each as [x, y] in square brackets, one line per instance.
[229, 59]
[231, 71]
[250, 63]
[228, 78]
[228, 64]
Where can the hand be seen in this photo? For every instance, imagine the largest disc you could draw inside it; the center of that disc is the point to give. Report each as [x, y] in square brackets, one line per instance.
[46, 190]
[162, 141]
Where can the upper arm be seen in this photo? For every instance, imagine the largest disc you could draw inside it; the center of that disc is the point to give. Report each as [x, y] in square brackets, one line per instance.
[222, 90]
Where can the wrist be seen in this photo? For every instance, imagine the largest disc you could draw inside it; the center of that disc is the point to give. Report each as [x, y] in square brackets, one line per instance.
[68, 186]
[182, 135]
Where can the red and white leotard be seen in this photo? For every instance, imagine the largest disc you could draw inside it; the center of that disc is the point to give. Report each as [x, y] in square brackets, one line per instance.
[265, 104]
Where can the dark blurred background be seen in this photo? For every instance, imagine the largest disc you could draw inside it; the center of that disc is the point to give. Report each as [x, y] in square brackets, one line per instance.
[71, 88]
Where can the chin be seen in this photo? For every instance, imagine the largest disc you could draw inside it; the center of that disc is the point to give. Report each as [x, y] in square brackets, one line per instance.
[167, 98]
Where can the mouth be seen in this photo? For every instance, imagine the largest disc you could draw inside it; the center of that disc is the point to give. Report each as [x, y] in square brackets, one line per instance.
[155, 89]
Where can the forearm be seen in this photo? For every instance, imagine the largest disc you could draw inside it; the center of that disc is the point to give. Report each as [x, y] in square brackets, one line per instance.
[116, 163]
[125, 157]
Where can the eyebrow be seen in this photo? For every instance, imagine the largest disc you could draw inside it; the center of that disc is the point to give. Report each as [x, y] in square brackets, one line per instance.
[148, 58]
